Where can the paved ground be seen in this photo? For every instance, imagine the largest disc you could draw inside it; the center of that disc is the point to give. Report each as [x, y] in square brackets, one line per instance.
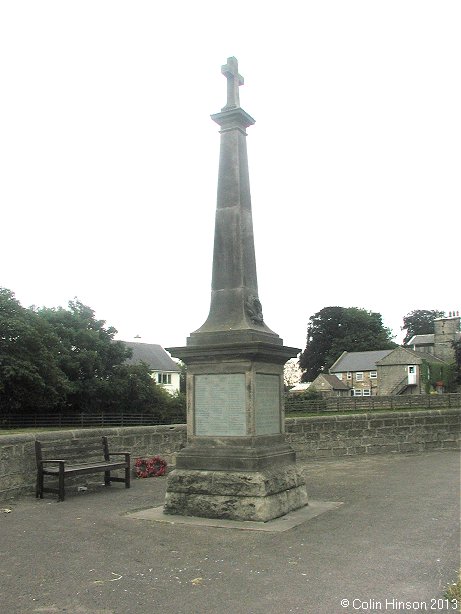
[395, 539]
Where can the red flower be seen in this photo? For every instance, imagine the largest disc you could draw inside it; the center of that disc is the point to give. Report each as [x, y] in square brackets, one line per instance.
[150, 467]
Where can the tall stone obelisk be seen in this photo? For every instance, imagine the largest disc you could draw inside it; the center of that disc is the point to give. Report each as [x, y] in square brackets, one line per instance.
[236, 463]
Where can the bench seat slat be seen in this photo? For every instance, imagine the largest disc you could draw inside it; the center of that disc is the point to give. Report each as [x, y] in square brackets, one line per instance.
[85, 467]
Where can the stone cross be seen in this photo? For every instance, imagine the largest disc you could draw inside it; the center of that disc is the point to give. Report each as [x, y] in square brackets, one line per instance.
[234, 80]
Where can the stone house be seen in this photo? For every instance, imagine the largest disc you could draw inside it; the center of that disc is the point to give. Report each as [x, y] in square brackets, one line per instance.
[330, 386]
[358, 371]
[440, 342]
[386, 372]
[404, 371]
[164, 369]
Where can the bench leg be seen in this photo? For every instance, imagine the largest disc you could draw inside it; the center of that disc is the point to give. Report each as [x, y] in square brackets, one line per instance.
[127, 477]
[61, 486]
[39, 485]
[107, 480]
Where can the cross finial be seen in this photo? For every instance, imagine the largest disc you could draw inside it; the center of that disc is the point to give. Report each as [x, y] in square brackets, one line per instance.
[234, 80]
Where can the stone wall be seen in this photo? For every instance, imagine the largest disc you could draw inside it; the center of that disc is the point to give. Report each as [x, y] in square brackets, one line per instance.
[446, 331]
[376, 433]
[390, 376]
[315, 437]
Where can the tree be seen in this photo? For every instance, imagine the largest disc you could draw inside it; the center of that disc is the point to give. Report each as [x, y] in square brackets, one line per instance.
[182, 377]
[131, 388]
[66, 359]
[291, 373]
[30, 375]
[420, 322]
[334, 330]
[88, 355]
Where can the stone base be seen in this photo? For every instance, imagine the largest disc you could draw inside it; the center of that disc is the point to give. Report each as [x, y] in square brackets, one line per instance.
[236, 495]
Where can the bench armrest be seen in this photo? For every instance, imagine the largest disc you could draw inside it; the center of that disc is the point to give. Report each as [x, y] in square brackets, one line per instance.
[127, 458]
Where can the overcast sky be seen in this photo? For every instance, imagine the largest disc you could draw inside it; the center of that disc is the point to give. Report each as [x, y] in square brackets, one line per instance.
[109, 158]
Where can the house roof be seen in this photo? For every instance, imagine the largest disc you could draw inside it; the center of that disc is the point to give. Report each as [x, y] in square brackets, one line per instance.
[153, 355]
[427, 339]
[358, 361]
[412, 356]
[300, 387]
[334, 382]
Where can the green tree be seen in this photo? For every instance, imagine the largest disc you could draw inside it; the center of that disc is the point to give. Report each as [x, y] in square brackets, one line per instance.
[439, 372]
[420, 322]
[66, 359]
[334, 330]
[131, 388]
[88, 355]
[182, 377]
[30, 375]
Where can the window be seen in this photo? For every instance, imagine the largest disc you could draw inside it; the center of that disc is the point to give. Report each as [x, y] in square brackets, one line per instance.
[359, 376]
[373, 374]
[164, 378]
[366, 392]
[356, 392]
[349, 375]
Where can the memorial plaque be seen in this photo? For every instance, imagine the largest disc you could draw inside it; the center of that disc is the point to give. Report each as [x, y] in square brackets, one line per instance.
[220, 405]
[267, 404]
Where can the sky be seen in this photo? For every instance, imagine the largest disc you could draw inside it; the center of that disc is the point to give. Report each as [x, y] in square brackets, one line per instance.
[109, 158]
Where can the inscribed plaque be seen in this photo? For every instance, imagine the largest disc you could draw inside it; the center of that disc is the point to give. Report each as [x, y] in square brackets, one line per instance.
[267, 404]
[220, 405]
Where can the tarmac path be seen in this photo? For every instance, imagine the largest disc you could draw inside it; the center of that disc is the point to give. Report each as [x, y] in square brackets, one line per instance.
[395, 540]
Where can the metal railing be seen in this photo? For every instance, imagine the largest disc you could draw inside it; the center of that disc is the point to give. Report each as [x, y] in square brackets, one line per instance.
[400, 386]
[82, 420]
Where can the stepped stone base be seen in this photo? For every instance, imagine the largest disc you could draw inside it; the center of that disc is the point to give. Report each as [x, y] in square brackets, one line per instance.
[236, 495]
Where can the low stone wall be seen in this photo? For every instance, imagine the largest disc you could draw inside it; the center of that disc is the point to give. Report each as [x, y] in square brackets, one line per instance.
[377, 433]
[314, 437]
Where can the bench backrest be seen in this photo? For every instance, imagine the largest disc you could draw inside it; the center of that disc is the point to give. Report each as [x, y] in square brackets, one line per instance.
[74, 450]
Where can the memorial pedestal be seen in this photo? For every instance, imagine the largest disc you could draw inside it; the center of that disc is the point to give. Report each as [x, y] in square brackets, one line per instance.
[236, 464]
[236, 495]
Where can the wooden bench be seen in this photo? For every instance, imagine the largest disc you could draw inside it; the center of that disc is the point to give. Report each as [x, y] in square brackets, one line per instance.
[80, 460]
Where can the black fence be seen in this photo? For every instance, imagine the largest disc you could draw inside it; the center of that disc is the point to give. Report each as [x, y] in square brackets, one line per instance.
[82, 420]
[295, 404]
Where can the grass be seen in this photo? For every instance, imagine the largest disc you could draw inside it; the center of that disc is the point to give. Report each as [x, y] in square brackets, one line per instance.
[348, 412]
[37, 429]
[453, 593]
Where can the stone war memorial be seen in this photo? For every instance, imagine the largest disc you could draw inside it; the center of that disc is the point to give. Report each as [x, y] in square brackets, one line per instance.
[236, 464]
